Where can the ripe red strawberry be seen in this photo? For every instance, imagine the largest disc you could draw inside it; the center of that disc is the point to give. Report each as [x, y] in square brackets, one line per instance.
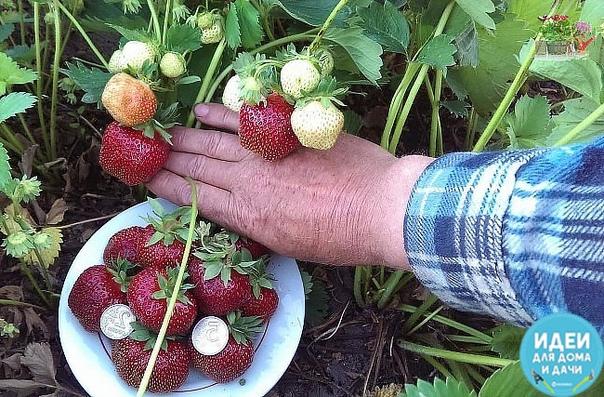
[95, 289]
[265, 128]
[165, 252]
[130, 156]
[128, 100]
[124, 244]
[236, 357]
[215, 296]
[148, 294]
[264, 305]
[130, 358]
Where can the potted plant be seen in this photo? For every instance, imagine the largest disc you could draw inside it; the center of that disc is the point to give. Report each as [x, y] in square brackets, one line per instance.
[583, 35]
[558, 33]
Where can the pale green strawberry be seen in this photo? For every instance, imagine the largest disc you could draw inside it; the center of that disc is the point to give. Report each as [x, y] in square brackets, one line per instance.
[214, 33]
[298, 76]
[317, 125]
[172, 64]
[117, 62]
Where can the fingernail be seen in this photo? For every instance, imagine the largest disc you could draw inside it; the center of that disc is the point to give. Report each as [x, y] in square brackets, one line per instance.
[202, 110]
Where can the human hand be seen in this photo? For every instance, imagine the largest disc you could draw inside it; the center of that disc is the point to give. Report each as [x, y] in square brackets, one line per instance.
[341, 206]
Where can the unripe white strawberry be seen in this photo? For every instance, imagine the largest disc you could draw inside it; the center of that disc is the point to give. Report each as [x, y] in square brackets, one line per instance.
[299, 75]
[231, 96]
[316, 125]
[172, 64]
[205, 20]
[137, 52]
[117, 62]
[214, 33]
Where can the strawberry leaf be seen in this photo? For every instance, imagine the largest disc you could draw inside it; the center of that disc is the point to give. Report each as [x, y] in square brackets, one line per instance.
[248, 19]
[11, 73]
[91, 80]
[386, 25]
[232, 32]
[15, 102]
[5, 175]
[183, 38]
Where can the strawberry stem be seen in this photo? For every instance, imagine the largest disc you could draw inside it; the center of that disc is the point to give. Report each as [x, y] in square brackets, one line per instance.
[167, 13]
[207, 79]
[181, 272]
[330, 18]
[155, 20]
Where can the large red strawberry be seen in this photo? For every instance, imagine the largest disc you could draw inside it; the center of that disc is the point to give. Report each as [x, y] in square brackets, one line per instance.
[148, 294]
[235, 358]
[124, 244]
[264, 305]
[222, 293]
[265, 128]
[130, 155]
[159, 251]
[128, 100]
[131, 356]
[95, 289]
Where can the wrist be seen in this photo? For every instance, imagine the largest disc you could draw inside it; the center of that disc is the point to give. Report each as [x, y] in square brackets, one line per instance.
[398, 184]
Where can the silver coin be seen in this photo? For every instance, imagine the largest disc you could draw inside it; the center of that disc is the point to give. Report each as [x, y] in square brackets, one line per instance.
[115, 321]
[210, 335]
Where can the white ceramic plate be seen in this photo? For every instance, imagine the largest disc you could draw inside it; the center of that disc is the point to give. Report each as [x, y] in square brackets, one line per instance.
[88, 353]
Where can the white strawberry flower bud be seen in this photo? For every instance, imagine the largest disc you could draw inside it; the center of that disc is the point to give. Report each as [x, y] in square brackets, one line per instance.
[231, 96]
[172, 64]
[299, 75]
[137, 52]
[117, 62]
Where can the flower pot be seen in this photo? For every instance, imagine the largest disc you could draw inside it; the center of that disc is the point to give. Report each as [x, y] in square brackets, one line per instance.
[541, 47]
[558, 47]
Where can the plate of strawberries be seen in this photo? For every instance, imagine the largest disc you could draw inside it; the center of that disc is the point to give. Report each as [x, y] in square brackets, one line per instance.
[237, 315]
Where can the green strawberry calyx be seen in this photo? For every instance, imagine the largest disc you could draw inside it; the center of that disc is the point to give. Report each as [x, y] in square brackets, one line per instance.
[167, 286]
[220, 256]
[121, 270]
[142, 334]
[242, 327]
[168, 226]
[258, 76]
[327, 92]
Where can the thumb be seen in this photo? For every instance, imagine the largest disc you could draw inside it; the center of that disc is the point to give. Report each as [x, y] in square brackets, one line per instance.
[217, 116]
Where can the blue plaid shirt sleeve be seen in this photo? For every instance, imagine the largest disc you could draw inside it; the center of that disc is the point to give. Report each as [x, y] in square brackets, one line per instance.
[515, 235]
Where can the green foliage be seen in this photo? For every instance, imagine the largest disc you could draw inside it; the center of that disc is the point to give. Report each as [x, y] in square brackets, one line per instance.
[313, 12]
[529, 125]
[317, 299]
[183, 38]
[5, 175]
[506, 341]
[386, 25]
[91, 80]
[575, 111]
[438, 53]
[14, 103]
[440, 388]
[11, 74]
[479, 11]
[486, 84]
[364, 52]
[247, 21]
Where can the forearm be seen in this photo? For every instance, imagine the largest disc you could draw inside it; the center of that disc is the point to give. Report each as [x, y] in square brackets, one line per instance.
[495, 233]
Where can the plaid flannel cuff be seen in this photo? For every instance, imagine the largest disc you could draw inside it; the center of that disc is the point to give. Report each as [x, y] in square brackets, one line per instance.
[453, 231]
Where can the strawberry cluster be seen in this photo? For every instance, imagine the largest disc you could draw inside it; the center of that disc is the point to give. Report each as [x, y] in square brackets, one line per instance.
[226, 277]
[286, 101]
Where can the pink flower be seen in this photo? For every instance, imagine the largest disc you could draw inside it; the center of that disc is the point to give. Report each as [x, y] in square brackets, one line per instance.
[582, 27]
